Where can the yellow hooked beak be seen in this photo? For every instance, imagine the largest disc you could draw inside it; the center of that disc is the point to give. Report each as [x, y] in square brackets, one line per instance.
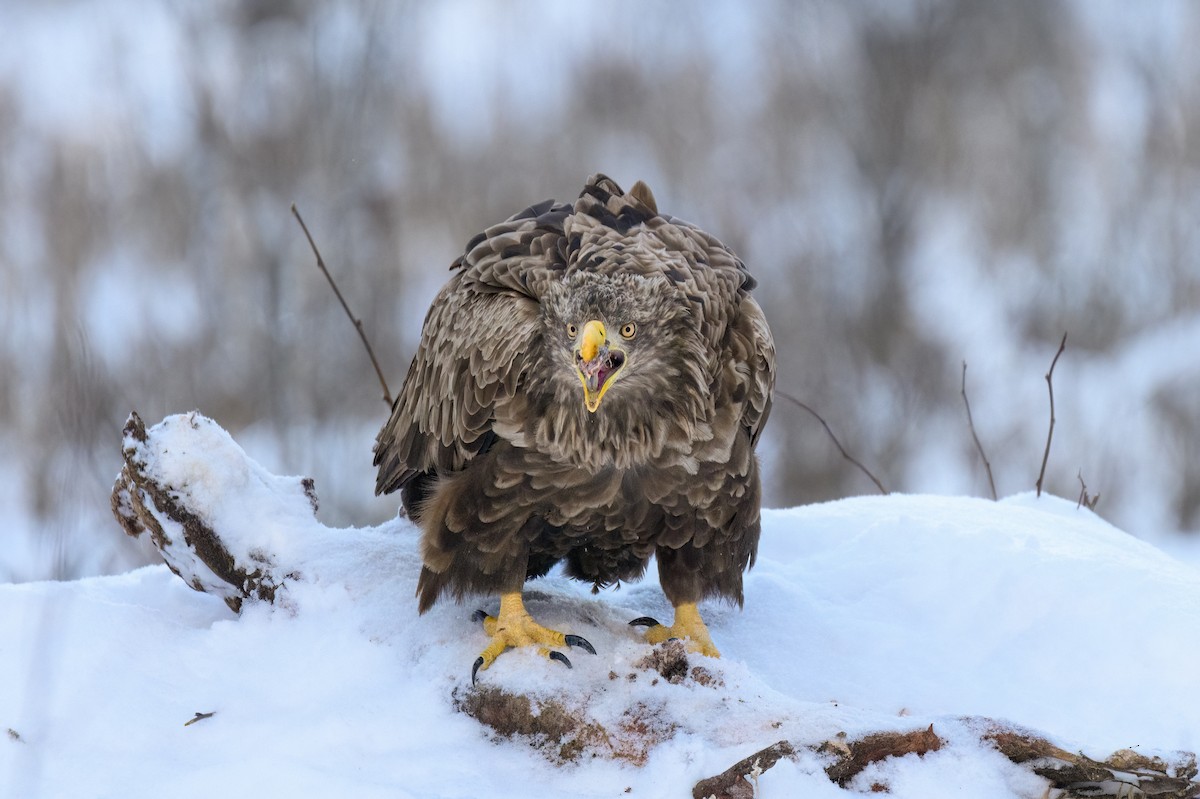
[596, 363]
[594, 336]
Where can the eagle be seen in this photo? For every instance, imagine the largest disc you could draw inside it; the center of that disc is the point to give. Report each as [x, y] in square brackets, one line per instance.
[589, 388]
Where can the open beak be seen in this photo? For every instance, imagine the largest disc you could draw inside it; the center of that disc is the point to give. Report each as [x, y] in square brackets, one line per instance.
[597, 363]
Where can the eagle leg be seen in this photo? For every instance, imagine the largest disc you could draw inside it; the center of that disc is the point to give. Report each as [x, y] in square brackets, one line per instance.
[513, 626]
[688, 627]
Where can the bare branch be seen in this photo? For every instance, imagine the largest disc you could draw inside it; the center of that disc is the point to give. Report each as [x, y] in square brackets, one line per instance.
[974, 435]
[836, 443]
[358, 325]
[1050, 435]
[732, 781]
[199, 717]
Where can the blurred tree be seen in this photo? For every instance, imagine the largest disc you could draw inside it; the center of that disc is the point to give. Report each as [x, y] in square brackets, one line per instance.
[914, 184]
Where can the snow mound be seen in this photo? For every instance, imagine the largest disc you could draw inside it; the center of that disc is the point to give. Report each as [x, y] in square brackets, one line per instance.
[864, 616]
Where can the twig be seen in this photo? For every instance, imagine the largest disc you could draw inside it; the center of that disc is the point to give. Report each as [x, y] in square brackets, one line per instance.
[1050, 435]
[199, 717]
[836, 443]
[974, 435]
[358, 325]
[732, 781]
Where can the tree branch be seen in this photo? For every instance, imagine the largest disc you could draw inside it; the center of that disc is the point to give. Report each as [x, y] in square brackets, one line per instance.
[199, 717]
[1050, 435]
[358, 325]
[836, 443]
[974, 435]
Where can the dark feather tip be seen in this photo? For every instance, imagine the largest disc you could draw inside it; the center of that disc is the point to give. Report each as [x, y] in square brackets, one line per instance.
[561, 658]
[580, 641]
[644, 621]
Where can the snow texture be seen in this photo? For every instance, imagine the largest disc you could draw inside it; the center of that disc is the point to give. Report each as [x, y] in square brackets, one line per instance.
[863, 615]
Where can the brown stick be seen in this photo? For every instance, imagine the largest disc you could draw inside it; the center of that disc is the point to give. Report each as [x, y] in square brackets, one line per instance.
[1050, 435]
[873, 748]
[836, 443]
[971, 423]
[358, 325]
[199, 717]
[731, 783]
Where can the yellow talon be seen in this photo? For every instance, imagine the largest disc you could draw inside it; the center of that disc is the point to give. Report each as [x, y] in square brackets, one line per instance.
[513, 626]
[688, 627]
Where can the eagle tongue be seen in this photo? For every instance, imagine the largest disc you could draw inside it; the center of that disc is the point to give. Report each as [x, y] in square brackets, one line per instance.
[597, 370]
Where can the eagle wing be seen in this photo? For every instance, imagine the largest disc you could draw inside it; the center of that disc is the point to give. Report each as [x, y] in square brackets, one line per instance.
[741, 349]
[474, 349]
[716, 285]
[754, 361]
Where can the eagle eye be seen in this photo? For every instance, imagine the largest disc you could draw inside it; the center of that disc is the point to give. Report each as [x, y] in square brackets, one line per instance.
[572, 331]
[628, 330]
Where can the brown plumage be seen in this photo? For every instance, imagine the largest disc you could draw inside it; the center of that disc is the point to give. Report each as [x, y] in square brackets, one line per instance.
[589, 388]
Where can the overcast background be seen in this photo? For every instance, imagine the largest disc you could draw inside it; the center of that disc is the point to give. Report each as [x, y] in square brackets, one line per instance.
[915, 185]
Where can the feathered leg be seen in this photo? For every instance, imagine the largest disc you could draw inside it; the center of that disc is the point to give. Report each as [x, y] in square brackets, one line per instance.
[463, 555]
[710, 564]
[680, 574]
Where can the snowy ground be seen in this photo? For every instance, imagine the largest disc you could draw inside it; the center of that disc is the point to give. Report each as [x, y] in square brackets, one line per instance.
[868, 614]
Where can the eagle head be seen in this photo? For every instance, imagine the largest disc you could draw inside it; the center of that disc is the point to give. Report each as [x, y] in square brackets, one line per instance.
[618, 334]
[598, 361]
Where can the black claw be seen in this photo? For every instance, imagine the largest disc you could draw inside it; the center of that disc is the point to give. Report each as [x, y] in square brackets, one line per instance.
[561, 658]
[580, 641]
[475, 668]
[644, 621]
[479, 615]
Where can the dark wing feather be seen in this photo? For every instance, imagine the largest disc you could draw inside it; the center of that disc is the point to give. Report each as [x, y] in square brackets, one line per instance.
[474, 349]
[758, 358]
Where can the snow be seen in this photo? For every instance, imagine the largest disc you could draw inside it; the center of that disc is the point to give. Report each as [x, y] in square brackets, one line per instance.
[862, 615]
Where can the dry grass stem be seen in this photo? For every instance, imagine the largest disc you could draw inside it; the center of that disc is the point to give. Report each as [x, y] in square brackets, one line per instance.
[971, 423]
[1050, 435]
[836, 443]
[358, 325]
